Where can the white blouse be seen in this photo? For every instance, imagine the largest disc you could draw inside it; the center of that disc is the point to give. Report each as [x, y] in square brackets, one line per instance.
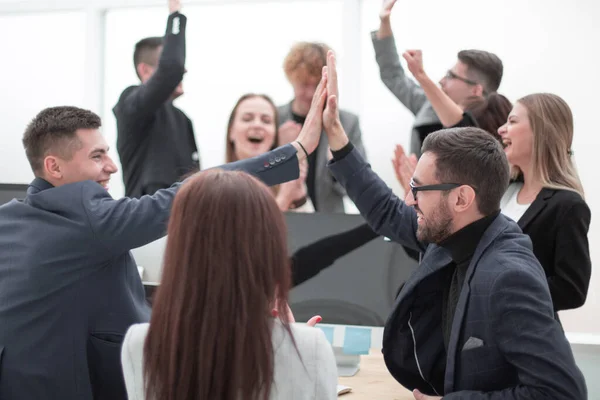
[312, 378]
[509, 205]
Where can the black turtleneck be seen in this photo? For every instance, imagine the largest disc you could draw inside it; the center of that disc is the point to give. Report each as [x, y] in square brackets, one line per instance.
[462, 245]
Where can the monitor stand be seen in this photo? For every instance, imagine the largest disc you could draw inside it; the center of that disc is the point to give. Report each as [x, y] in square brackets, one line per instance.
[347, 364]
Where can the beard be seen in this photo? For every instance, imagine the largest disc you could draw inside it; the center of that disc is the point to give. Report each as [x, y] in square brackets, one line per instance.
[437, 226]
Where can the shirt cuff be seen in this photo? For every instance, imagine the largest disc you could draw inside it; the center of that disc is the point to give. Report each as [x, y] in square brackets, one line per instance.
[343, 152]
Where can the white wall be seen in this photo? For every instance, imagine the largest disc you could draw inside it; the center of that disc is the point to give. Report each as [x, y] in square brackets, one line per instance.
[238, 46]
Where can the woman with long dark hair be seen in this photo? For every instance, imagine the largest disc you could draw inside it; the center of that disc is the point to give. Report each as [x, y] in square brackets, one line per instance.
[212, 334]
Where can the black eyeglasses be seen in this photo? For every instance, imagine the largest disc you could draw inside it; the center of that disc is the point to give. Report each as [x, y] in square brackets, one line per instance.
[452, 75]
[440, 186]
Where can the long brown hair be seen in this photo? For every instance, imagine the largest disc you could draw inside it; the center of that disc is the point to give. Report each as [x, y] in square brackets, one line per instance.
[226, 267]
[551, 122]
[229, 146]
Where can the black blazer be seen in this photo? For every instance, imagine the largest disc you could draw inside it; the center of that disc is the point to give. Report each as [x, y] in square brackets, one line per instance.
[557, 223]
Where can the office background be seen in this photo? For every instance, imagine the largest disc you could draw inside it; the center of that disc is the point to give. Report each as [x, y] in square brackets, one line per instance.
[80, 53]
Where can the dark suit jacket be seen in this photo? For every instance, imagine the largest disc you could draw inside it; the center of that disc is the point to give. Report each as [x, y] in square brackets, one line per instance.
[69, 287]
[557, 223]
[504, 342]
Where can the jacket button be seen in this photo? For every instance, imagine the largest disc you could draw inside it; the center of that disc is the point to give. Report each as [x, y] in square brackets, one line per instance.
[266, 164]
[277, 159]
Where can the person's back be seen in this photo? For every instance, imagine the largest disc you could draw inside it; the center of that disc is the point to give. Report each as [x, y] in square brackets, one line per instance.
[155, 140]
[64, 296]
[220, 326]
[297, 373]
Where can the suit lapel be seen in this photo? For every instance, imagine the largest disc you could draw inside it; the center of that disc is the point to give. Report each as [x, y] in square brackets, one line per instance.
[536, 207]
[488, 237]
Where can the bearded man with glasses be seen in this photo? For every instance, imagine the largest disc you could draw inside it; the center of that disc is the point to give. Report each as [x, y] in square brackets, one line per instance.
[475, 320]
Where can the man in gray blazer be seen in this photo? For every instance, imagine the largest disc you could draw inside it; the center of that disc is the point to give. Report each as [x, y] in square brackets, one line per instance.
[476, 73]
[475, 320]
[69, 286]
[303, 66]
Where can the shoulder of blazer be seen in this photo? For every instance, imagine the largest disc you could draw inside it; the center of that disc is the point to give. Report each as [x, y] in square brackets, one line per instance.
[561, 198]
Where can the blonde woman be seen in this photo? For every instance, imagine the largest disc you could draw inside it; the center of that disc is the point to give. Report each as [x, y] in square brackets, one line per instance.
[546, 196]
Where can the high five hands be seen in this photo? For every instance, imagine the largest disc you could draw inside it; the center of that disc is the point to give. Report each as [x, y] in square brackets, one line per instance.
[323, 113]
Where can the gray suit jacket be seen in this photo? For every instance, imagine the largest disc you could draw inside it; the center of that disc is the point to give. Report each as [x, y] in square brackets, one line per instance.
[69, 287]
[504, 343]
[405, 89]
[329, 193]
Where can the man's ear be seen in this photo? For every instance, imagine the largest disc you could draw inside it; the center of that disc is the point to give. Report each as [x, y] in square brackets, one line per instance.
[478, 90]
[52, 167]
[143, 71]
[465, 198]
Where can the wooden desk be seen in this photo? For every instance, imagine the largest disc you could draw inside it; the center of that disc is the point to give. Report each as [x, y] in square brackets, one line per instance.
[373, 381]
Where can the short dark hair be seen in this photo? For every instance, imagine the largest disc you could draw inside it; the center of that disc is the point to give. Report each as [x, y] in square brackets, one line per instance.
[144, 51]
[471, 156]
[483, 67]
[54, 130]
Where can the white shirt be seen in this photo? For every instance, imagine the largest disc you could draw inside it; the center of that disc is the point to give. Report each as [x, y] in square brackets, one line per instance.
[313, 378]
[509, 205]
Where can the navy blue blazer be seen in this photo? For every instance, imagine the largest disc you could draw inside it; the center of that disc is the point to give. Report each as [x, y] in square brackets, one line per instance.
[69, 286]
[504, 343]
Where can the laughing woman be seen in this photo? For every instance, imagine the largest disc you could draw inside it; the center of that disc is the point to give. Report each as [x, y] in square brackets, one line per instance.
[252, 130]
[546, 195]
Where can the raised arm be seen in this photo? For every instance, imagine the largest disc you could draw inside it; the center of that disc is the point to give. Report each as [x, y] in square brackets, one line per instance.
[140, 102]
[385, 213]
[447, 110]
[125, 224]
[391, 71]
[311, 259]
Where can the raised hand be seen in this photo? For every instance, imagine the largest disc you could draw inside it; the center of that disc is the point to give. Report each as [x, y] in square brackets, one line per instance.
[404, 167]
[414, 61]
[331, 115]
[386, 9]
[174, 6]
[313, 125]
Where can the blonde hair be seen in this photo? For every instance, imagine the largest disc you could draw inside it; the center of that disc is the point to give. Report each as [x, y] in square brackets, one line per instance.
[551, 122]
[305, 60]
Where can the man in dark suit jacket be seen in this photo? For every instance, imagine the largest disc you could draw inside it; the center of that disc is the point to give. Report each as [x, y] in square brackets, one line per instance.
[69, 287]
[155, 139]
[475, 320]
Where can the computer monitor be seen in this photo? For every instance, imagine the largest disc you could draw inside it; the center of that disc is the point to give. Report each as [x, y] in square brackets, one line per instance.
[9, 191]
[359, 288]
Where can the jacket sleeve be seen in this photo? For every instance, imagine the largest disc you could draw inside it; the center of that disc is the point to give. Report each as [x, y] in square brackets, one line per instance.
[126, 223]
[572, 265]
[531, 340]
[385, 213]
[311, 259]
[393, 76]
[351, 124]
[142, 101]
